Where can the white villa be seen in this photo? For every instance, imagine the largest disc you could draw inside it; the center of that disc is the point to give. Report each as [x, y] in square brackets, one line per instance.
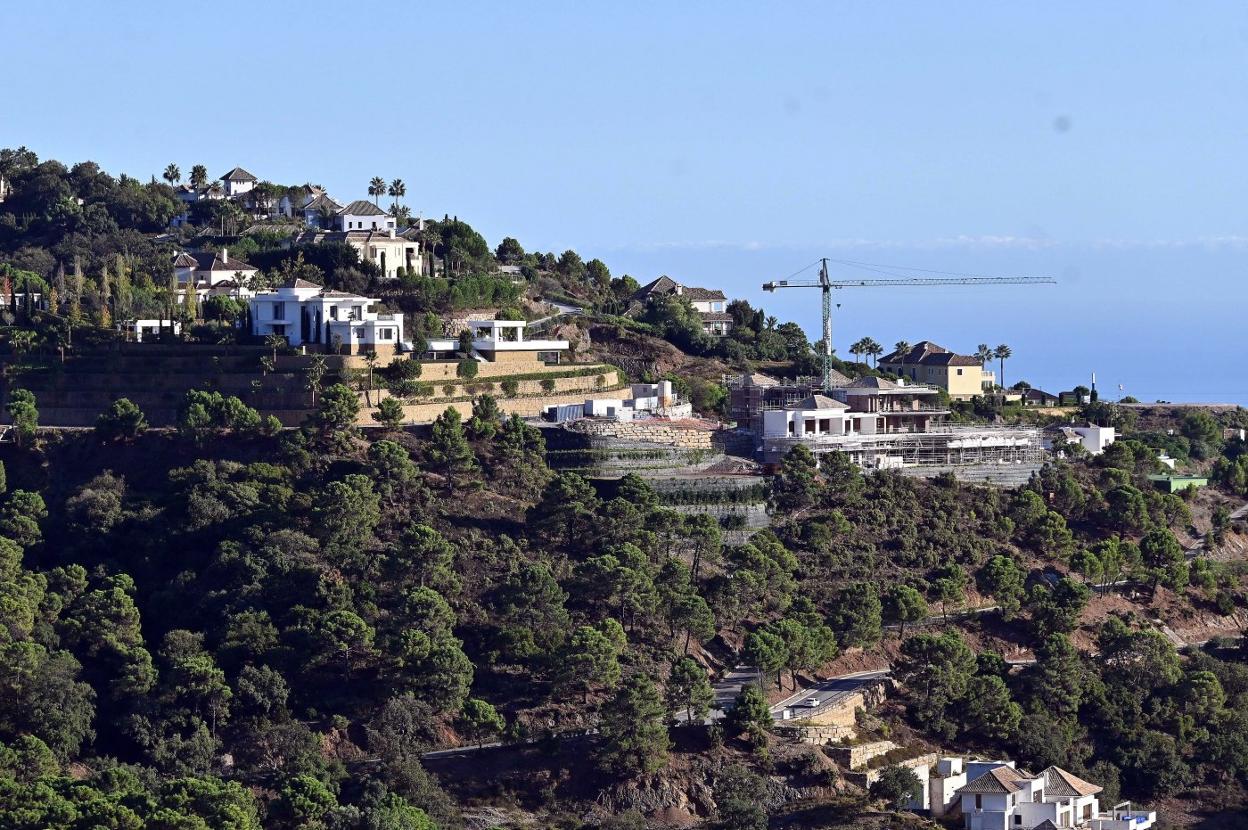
[384, 248]
[364, 226]
[994, 795]
[214, 273]
[319, 210]
[150, 328]
[648, 400]
[363, 215]
[238, 181]
[1093, 438]
[305, 313]
[710, 303]
[502, 341]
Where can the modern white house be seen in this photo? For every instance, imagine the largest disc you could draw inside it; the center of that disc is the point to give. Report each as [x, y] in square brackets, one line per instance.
[649, 400]
[1001, 797]
[1094, 439]
[138, 329]
[214, 273]
[306, 314]
[502, 341]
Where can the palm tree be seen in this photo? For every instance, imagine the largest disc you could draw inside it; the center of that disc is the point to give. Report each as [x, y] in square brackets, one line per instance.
[859, 347]
[901, 347]
[173, 174]
[398, 190]
[874, 350]
[377, 189]
[1001, 353]
[983, 353]
[199, 176]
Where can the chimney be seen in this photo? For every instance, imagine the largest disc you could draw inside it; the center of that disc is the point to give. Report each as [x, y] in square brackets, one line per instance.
[225, 255]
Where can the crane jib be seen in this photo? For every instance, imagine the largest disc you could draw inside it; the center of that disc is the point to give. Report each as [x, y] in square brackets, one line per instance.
[826, 283]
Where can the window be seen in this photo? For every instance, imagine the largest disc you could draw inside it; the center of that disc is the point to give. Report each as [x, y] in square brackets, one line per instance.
[1018, 818]
[959, 371]
[279, 311]
[979, 802]
[385, 334]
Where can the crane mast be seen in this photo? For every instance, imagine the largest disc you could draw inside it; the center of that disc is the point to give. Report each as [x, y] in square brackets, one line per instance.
[827, 284]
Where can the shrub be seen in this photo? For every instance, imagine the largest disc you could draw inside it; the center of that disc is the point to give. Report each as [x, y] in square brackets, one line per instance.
[448, 389]
[548, 384]
[122, 420]
[467, 368]
[510, 387]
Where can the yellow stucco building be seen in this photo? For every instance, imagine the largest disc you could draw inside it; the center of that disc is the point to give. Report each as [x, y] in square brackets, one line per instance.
[962, 376]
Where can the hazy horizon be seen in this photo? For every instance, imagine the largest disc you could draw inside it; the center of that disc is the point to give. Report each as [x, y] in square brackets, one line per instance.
[725, 144]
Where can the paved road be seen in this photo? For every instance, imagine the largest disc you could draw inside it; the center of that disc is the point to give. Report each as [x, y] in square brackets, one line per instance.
[826, 692]
[560, 309]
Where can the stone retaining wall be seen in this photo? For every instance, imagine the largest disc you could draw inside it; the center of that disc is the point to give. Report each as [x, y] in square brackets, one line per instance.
[818, 735]
[530, 402]
[856, 756]
[756, 516]
[685, 435]
[921, 765]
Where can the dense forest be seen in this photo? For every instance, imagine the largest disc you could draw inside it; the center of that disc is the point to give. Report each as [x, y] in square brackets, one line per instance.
[220, 626]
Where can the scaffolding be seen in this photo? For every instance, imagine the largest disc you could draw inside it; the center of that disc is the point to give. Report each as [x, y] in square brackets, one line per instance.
[942, 446]
[751, 395]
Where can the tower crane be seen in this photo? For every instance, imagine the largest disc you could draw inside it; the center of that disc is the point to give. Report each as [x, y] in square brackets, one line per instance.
[826, 283]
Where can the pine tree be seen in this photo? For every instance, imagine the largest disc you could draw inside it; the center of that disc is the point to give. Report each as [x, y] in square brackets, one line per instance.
[450, 451]
[634, 729]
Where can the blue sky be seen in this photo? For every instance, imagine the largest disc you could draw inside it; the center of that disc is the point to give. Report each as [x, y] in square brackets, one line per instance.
[730, 143]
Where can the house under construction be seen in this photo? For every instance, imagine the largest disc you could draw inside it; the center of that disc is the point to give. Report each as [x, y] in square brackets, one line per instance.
[878, 423]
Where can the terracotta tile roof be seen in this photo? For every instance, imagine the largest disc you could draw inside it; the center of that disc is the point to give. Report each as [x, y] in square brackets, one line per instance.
[238, 174]
[1063, 784]
[319, 200]
[759, 379]
[838, 380]
[927, 353]
[871, 382]
[715, 317]
[704, 293]
[208, 261]
[1000, 780]
[818, 402]
[662, 285]
[950, 359]
[297, 282]
[362, 207]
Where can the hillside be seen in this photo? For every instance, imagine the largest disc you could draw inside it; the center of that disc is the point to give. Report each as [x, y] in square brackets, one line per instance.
[241, 588]
[291, 621]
